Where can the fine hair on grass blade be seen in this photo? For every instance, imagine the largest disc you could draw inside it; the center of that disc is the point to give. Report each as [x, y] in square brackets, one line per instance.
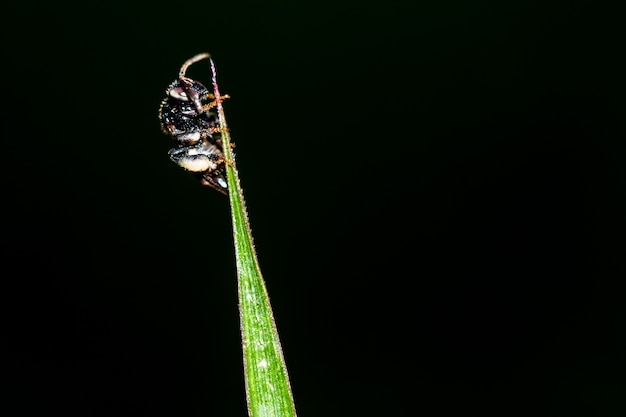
[268, 391]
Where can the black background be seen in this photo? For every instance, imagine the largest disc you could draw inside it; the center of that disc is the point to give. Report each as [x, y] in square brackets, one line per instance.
[436, 191]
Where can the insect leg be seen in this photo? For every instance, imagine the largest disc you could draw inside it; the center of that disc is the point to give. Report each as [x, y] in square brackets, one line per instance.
[214, 102]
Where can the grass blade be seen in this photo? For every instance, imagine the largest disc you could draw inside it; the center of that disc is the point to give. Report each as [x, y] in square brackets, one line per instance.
[268, 391]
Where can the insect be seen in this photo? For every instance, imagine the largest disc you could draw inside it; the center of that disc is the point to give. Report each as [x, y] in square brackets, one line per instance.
[187, 114]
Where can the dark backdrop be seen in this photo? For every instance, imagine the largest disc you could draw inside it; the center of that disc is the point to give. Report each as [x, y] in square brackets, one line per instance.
[436, 191]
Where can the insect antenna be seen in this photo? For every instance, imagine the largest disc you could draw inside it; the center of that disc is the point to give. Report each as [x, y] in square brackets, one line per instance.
[189, 62]
[189, 82]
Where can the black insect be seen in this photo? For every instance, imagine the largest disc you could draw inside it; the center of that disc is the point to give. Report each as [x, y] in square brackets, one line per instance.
[187, 114]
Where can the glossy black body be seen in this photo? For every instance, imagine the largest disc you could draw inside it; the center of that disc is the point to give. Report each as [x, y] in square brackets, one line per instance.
[185, 115]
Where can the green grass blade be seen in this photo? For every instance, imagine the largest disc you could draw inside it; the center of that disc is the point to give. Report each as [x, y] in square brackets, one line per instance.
[268, 391]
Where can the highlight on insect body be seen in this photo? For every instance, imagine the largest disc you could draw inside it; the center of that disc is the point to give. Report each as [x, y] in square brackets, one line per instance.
[188, 115]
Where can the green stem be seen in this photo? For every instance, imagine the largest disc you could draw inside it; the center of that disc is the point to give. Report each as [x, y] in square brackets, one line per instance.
[268, 391]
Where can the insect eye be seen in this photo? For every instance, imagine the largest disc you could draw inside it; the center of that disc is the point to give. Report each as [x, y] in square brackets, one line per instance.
[179, 94]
